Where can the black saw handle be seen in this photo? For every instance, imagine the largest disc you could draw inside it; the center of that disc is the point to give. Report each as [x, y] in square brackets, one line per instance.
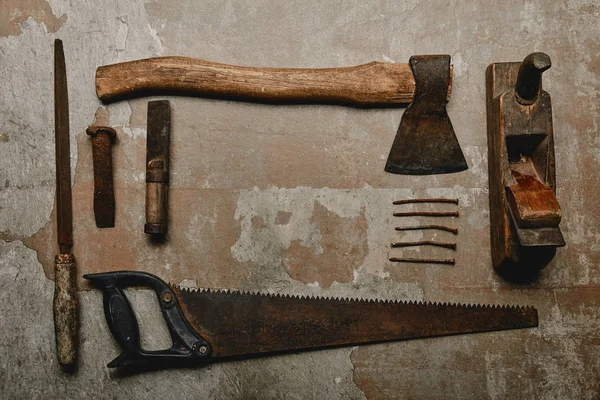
[120, 317]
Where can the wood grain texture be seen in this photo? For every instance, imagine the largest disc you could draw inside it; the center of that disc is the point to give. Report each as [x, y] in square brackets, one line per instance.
[157, 208]
[516, 133]
[371, 84]
[532, 203]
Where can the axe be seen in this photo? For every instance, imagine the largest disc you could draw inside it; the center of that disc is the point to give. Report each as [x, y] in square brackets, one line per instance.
[425, 143]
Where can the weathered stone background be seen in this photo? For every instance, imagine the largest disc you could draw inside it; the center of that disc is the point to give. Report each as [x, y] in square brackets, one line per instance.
[294, 199]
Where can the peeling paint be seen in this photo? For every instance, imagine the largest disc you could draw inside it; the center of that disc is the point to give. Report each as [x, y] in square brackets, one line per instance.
[341, 248]
[14, 13]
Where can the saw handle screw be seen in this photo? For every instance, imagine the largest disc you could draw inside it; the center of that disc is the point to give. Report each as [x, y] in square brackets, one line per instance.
[167, 297]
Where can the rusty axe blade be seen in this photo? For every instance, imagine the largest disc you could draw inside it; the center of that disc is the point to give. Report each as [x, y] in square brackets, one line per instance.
[425, 143]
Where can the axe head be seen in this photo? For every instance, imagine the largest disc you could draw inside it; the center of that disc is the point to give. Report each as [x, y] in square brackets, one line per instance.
[425, 143]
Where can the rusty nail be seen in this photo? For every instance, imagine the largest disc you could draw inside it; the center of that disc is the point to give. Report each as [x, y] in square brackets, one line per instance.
[419, 227]
[409, 201]
[449, 261]
[426, 214]
[104, 196]
[425, 243]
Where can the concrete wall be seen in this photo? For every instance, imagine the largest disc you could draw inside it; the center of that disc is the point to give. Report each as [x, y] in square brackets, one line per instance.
[293, 199]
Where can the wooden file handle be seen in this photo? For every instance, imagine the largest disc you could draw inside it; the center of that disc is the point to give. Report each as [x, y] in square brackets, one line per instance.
[65, 309]
[368, 84]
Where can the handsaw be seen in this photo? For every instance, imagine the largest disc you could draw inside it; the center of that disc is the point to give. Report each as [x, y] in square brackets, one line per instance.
[211, 325]
[425, 142]
[65, 295]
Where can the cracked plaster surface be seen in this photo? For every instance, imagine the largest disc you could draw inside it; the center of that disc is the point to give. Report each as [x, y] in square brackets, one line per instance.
[258, 191]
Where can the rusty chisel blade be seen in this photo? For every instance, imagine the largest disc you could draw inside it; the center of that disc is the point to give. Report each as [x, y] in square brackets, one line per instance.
[64, 208]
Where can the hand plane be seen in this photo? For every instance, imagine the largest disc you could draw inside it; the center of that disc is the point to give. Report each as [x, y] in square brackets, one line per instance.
[524, 211]
[211, 325]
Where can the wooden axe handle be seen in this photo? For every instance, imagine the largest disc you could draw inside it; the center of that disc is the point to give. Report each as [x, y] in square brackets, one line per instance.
[368, 84]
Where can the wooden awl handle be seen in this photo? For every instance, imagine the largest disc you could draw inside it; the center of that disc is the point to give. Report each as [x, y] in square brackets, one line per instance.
[65, 309]
[368, 84]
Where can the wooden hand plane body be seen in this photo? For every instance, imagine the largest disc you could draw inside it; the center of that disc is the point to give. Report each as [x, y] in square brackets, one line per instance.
[524, 211]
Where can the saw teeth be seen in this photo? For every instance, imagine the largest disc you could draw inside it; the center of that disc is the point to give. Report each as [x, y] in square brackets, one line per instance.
[467, 306]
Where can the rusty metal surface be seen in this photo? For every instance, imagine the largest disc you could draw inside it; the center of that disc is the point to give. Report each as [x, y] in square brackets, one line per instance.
[426, 143]
[240, 324]
[104, 195]
[64, 207]
[159, 130]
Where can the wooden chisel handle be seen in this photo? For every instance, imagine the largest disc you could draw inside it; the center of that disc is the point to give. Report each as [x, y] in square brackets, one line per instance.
[157, 197]
[65, 309]
[368, 84]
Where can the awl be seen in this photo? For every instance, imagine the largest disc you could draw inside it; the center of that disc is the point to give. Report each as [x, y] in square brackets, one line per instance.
[65, 294]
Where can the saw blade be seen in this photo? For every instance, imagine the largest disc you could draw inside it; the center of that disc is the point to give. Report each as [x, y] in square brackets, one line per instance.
[245, 324]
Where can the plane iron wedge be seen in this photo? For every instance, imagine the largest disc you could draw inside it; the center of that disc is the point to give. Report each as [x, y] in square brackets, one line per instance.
[209, 325]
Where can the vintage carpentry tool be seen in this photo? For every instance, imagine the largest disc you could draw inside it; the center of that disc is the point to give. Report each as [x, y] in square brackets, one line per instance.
[425, 142]
[524, 211]
[104, 195]
[208, 325]
[65, 293]
[157, 167]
